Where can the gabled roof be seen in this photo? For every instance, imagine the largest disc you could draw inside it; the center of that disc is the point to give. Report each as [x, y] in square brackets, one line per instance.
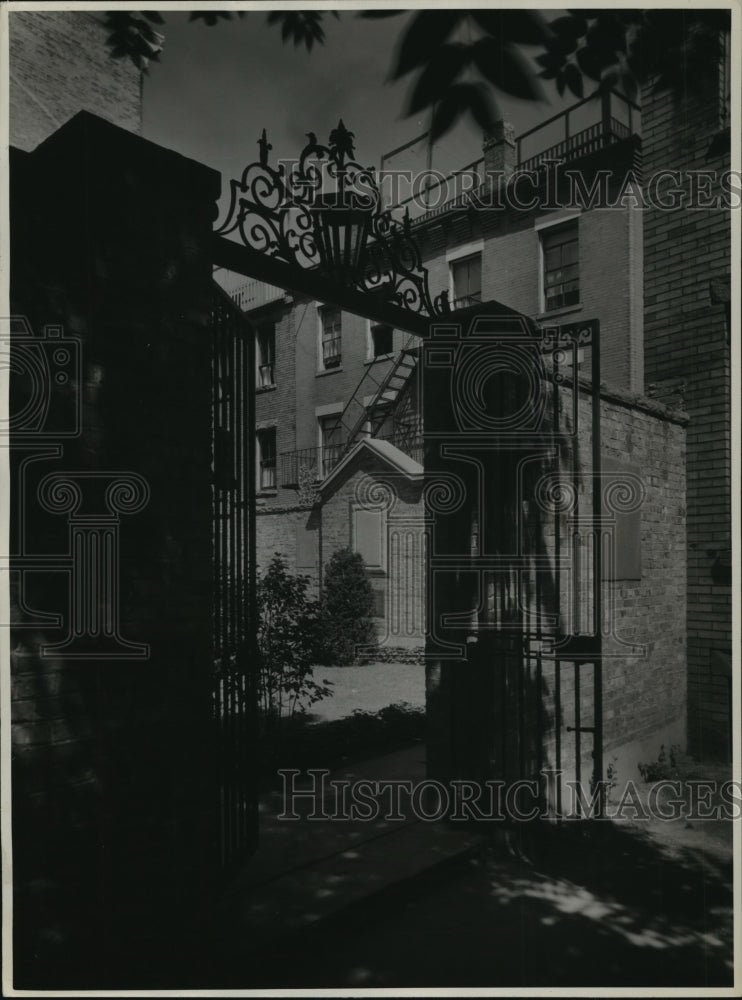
[386, 451]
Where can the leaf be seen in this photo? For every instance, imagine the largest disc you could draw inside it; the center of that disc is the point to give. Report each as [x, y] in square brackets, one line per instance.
[589, 63]
[438, 75]
[209, 17]
[572, 26]
[459, 98]
[153, 16]
[523, 27]
[506, 68]
[573, 79]
[428, 30]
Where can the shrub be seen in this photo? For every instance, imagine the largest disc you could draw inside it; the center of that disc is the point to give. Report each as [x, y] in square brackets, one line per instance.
[287, 639]
[347, 608]
[674, 765]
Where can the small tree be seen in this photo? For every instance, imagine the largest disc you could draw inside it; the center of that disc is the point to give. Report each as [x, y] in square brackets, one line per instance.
[347, 607]
[287, 640]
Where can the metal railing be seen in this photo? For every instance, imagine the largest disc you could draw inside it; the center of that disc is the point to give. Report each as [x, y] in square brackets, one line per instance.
[606, 129]
[589, 140]
[316, 464]
[472, 299]
[254, 294]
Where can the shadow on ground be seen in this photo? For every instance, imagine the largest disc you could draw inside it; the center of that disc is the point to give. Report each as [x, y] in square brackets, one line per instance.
[598, 904]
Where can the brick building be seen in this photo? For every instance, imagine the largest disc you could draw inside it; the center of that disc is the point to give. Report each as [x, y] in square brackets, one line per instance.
[59, 65]
[687, 361]
[663, 312]
[326, 379]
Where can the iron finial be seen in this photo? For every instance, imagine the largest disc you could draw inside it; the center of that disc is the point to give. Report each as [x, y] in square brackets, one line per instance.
[265, 148]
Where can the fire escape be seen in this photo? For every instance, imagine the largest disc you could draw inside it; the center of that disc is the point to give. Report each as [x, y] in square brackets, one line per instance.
[384, 405]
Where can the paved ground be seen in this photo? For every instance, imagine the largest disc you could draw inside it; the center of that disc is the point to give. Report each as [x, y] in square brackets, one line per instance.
[591, 905]
[369, 688]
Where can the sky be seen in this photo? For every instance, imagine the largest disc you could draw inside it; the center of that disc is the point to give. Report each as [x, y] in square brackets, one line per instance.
[217, 87]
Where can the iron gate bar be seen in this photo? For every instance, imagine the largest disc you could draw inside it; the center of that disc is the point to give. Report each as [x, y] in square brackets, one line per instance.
[234, 577]
[577, 647]
[312, 283]
[597, 573]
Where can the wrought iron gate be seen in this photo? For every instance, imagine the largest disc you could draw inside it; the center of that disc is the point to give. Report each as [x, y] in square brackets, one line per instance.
[517, 618]
[234, 578]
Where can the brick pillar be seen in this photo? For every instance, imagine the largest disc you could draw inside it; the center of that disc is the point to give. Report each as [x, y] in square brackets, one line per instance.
[499, 150]
[113, 769]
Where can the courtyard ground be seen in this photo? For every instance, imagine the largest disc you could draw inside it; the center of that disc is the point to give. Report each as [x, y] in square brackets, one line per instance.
[328, 904]
[368, 688]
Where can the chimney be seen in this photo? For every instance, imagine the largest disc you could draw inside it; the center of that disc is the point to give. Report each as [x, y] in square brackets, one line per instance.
[499, 150]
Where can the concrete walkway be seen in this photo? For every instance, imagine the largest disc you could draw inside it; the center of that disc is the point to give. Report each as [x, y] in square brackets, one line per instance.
[333, 904]
[310, 868]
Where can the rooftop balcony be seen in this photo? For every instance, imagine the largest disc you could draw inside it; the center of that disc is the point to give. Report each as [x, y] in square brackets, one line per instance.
[586, 127]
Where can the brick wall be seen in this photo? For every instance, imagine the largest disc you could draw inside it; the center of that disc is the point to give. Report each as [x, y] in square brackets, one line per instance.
[59, 65]
[610, 258]
[279, 531]
[687, 349]
[368, 483]
[645, 666]
[645, 697]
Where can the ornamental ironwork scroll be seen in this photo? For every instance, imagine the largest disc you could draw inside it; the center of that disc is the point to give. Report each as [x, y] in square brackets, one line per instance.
[272, 211]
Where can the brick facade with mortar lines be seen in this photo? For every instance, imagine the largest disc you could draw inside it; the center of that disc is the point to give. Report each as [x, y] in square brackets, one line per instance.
[610, 268]
[59, 65]
[687, 354]
[644, 699]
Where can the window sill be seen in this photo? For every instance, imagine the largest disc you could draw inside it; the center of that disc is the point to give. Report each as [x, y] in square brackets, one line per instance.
[380, 357]
[266, 493]
[265, 388]
[564, 311]
[329, 371]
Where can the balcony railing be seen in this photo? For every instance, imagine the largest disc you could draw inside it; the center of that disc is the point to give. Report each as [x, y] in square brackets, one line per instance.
[254, 294]
[464, 301]
[581, 129]
[316, 464]
[589, 140]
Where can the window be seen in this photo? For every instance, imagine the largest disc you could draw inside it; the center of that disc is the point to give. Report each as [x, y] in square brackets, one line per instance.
[466, 278]
[331, 324]
[266, 354]
[560, 272]
[331, 442]
[369, 537]
[382, 340]
[267, 459]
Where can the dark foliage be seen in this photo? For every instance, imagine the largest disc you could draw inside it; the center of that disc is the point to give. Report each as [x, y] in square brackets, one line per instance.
[344, 741]
[463, 58]
[287, 637]
[347, 608]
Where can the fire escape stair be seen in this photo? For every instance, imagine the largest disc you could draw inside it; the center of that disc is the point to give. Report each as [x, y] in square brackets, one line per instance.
[371, 416]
